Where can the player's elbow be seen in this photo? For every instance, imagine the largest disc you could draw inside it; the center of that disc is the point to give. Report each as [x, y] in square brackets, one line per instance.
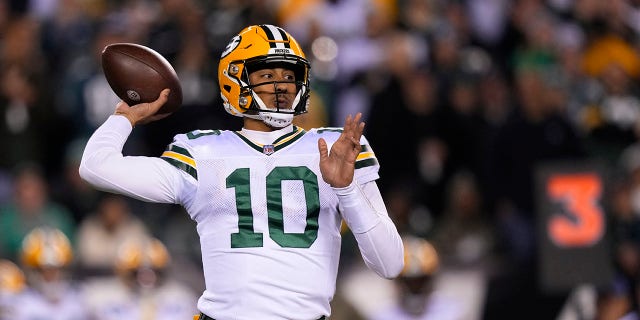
[86, 173]
[90, 169]
[393, 268]
[390, 266]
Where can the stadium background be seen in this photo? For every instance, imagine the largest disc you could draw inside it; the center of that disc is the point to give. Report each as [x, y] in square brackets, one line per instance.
[471, 106]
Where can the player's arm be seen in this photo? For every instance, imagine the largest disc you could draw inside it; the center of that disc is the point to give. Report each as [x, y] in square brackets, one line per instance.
[104, 166]
[361, 205]
[365, 213]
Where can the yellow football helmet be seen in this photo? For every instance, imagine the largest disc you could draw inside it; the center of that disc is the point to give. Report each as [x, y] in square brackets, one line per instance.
[420, 258]
[252, 49]
[46, 247]
[12, 279]
[138, 254]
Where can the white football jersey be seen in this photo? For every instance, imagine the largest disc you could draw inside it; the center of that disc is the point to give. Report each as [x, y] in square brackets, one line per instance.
[32, 305]
[112, 299]
[269, 225]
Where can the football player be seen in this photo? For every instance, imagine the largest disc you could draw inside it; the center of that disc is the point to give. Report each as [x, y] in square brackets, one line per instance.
[269, 198]
[12, 284]
[142, 289]
[417, 297]
[52, 293]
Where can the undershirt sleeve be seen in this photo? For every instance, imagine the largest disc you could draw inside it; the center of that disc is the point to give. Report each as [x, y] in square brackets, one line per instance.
[364, 212]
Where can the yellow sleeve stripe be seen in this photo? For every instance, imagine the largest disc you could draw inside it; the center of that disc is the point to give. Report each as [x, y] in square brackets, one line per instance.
[365, 155]
[179, 157]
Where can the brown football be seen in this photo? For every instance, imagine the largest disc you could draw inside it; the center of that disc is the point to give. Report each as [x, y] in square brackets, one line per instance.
[138, 74]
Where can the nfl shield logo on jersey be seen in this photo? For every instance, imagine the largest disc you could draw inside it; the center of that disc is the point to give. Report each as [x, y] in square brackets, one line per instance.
[268, 149]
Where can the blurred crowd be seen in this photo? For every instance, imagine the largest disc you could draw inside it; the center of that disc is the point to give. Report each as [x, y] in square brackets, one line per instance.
[464, 101]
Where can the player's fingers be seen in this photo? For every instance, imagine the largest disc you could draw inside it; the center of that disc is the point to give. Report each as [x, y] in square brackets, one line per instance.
[357, 118]
[162, 99]
[359, 131]
[322, 148]
[347, 129]
[358, 126]
[354, 128]
[347, 123]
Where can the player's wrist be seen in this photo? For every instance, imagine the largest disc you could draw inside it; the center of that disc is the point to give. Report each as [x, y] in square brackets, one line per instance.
[128, 117]
[345, 190]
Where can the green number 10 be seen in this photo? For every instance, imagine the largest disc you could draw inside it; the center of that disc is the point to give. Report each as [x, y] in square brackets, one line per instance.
[246, 237]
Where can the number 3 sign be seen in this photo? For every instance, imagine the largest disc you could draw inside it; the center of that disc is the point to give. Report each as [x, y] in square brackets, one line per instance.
[582, 222]
[572, 226]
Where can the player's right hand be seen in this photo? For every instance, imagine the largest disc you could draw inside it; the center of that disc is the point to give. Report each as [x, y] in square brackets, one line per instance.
[144, 112]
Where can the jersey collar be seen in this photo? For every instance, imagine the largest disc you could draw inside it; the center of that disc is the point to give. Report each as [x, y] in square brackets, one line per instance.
[282, 141]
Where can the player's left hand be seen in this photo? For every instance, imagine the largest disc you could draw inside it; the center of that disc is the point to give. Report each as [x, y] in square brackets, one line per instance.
[338, 165]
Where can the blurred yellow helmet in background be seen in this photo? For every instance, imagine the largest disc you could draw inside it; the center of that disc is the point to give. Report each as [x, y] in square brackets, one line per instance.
[420, 257]
[46, 247]
[138, 254]
[12, 279]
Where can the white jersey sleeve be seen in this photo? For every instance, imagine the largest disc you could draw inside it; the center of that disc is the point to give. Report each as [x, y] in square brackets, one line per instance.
[145, 178]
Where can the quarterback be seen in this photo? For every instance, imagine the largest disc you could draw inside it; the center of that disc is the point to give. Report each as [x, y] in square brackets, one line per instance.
[268, 199]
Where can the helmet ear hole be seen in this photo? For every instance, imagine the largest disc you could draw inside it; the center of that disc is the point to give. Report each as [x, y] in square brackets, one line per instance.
[233, 69]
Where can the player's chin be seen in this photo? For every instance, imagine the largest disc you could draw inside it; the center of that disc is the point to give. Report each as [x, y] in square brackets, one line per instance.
[282, 106]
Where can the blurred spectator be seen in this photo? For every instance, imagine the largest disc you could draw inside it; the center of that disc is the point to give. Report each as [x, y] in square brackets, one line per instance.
[28, 116]
[52, 294]
[142, 288]
[537, 133]
[612, 120]
[347, 49]
[21, 118]
[225, 17]
[406, 104]
[30, 208]
[466, 133]
[86, 98]
[103, 231]
[464, 235]
[404, 206]
[67, 31]
[606, 49]
[69, 189]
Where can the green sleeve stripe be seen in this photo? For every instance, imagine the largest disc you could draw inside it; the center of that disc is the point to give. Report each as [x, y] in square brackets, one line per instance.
[329, 129]
[199, 133]
[180, 150]
[182, 166]
[366, 163]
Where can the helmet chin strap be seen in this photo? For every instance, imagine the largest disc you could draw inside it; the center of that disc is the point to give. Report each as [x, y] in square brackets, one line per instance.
[273, 118]
[276, 120]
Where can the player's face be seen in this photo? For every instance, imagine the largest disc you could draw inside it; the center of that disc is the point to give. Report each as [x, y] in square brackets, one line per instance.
[278, 90]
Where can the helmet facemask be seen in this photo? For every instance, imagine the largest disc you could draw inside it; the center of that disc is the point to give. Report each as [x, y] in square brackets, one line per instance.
[280, 115]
